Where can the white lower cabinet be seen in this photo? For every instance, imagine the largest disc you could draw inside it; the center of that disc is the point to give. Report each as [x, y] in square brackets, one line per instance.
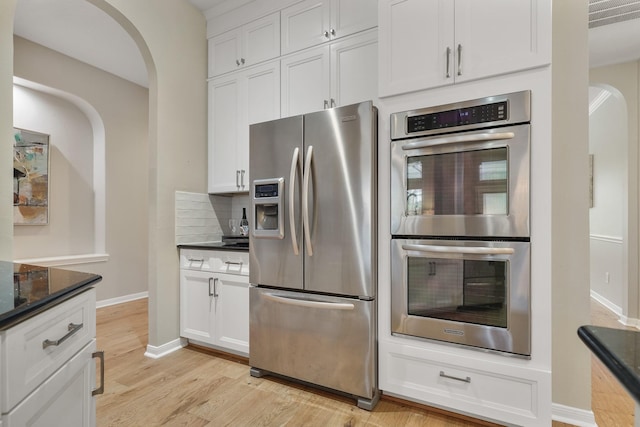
[214, 305]
[47, 366]
[492, 387]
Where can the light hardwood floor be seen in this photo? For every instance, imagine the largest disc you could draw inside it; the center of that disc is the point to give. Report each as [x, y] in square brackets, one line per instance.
[197, 387]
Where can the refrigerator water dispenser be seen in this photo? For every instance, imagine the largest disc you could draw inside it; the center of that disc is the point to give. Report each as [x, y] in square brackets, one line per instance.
[268, 213]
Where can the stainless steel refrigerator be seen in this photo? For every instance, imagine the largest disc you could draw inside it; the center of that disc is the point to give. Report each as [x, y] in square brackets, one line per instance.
[313, 250]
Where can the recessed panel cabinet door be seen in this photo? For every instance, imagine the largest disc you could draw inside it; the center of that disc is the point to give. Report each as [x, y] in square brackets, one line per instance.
[351, 16]
[224, 50]
[232, 312]
[415, 36]
[196, 305]
[354, 69]
[224, 119]
[305, 82]
[493, 43]
[261, 39]
[305, 24]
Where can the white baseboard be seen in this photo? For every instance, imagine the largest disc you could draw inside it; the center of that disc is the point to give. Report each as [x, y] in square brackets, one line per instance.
[122, 299]
[158, 352]
[573, 416]
[627, 321]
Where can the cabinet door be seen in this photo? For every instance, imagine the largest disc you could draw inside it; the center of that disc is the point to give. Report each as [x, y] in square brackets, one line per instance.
[305, 24]
[351, 16]
[64, 399]
[224, 119]
[196, 305]
[261, 39]
[232, 312]
[516, 38]
[305, 82]
[261, 102]
[354, 69]
[414, 37]
[224, 51]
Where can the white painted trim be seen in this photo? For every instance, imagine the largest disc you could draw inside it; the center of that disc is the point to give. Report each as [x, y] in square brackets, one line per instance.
[603, 238]
[154, 352]
[627, 321]
[65, 260]
[122, 299]
[574, 416]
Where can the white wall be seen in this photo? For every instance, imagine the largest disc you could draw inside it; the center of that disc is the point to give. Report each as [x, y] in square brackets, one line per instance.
[123, 112]
[621, 252]
[70, 230]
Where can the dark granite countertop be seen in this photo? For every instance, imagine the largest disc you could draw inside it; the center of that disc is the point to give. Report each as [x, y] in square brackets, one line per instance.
[26, 289]
[619, 350]
[215, 245]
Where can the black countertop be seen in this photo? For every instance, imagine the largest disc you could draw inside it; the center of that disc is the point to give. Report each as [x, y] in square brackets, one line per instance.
[215, 245]
[619, 350]
[28, 289]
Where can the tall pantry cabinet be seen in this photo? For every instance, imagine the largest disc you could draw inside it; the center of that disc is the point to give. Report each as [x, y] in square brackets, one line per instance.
[309, 55]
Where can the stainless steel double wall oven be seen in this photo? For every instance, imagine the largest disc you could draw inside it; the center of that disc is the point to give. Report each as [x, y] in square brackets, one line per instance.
[460, 223]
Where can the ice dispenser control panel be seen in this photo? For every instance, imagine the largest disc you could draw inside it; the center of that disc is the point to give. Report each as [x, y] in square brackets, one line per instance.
[268, 209]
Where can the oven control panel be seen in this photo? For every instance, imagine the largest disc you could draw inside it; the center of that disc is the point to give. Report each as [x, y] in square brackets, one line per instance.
[459, 117]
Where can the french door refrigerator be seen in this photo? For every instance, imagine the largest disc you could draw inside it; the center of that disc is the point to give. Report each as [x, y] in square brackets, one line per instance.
[313, 250]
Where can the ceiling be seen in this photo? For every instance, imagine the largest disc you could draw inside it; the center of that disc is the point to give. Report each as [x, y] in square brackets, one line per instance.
[80, 30]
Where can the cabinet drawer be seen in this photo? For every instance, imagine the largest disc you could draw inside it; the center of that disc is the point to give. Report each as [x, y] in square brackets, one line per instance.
[502, 393]
[229, 262]
[37, 347]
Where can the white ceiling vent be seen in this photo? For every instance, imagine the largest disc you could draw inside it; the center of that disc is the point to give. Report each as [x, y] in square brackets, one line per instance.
[604, 12]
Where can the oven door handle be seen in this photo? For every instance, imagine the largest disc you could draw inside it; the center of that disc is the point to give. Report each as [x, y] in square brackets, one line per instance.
[458, 250]
[479, 137]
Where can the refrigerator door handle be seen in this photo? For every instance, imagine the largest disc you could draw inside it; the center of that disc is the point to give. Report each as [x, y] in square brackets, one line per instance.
[305, 201]
[307, 303]
[295, 164]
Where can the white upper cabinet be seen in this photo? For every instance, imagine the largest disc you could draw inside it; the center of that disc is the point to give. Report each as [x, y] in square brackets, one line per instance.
[431, 43]
[341, 73]
[236, 101]
[312, 22]
[247, 45]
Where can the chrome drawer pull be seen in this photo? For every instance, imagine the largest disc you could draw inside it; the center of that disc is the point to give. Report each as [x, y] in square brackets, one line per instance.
[233, 262]
[195, 259]
[464, 380]
[99, 355]
[72, 330]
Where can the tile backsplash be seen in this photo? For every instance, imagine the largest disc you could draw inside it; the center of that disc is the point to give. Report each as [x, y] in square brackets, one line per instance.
[204, 217]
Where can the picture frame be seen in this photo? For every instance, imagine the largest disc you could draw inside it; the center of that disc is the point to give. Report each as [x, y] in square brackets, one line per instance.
[30, 177]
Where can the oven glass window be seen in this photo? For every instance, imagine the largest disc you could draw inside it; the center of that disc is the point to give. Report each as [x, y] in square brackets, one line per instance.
[469, 291]
[460, 183]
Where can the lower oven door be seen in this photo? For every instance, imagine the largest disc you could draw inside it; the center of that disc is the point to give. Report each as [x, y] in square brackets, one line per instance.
[475, 293]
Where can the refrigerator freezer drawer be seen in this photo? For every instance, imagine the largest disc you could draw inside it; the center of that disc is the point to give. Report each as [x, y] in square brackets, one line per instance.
[328, 341]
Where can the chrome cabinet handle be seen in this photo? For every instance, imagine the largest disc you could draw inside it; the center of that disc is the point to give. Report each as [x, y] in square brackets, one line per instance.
[242, 61]
[99, 355]
[459, 250]
[195, 259]
[326, 34]
[333, 32]
[333, 103]
[305, 201]
[215, 287]
[293, 174]
[326, 104]
[448, 74]
[464, 380]
[210, 291]
[233, 262]
[242, 172]
[479, 137]
[459, 59]
[238, 178]
[237, 62]
[72, 328]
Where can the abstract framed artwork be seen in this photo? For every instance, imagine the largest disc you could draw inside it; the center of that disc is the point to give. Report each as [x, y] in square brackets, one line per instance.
[30, 178]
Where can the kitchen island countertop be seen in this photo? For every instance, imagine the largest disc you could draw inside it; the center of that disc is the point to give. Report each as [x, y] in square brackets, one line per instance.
[619, 350]
[26, 290]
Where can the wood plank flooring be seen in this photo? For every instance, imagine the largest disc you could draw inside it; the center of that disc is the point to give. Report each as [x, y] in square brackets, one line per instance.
[197, 387]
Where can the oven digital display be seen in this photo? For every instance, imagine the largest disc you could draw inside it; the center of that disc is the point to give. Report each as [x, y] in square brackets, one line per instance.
[458, 117]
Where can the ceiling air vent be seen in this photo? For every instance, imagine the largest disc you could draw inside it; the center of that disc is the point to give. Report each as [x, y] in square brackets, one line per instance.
[604, 12]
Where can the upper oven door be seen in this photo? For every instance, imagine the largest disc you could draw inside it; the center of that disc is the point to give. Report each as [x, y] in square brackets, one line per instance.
[470, 184]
